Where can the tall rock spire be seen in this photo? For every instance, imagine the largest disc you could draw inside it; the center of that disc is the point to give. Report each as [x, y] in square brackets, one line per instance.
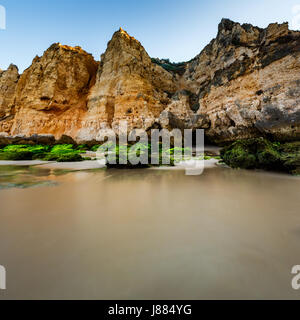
[128, 86]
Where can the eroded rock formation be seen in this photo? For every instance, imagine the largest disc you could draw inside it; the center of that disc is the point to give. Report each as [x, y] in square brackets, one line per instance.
[245, 83]
[248, 82]
[51, 95]
[128, 87]
[8, 84]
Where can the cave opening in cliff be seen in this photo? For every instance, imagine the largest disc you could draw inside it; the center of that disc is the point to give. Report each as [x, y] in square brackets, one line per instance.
[207, 140]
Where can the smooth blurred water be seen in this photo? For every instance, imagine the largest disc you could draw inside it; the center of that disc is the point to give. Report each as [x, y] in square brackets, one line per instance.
[149, 234]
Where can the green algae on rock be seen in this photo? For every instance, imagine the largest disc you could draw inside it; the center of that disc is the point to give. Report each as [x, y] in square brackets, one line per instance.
[261, 153]
[59, 153]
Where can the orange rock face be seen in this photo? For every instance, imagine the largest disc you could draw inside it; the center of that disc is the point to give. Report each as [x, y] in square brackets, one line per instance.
[51, 95]
[8, 84]
[128, 87]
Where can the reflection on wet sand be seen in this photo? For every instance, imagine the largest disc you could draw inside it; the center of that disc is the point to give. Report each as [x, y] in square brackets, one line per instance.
[150, 234]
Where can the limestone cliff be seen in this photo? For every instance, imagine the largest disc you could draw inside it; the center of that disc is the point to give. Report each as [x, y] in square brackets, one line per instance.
[245, 83]
[128, 87]
[50, 97]
[8, 84]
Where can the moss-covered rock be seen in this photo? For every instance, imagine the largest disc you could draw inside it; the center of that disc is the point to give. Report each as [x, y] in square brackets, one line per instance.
[70, 157]
[263, 154]
[125, 156]
[16, 156]
[60, 153]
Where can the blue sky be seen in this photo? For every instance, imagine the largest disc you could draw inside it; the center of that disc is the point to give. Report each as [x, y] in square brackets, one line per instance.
[176, 29]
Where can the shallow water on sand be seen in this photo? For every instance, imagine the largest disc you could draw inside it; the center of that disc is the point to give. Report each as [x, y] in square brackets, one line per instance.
[149, 234]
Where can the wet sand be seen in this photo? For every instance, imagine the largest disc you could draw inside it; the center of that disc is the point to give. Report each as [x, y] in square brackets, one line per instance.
[150, 234]
[86, 165]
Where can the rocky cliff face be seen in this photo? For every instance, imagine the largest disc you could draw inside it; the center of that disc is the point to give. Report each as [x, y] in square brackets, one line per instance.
[128, 87]
[8, 84]
[245, 83]
[51, 95]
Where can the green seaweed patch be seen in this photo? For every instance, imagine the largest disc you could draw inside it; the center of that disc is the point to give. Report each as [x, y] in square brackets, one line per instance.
[261, 153]
[125, 156]
[95, 147]
[59, 153]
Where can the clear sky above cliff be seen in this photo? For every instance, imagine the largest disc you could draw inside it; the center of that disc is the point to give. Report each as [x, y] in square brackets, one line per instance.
[175, 29]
